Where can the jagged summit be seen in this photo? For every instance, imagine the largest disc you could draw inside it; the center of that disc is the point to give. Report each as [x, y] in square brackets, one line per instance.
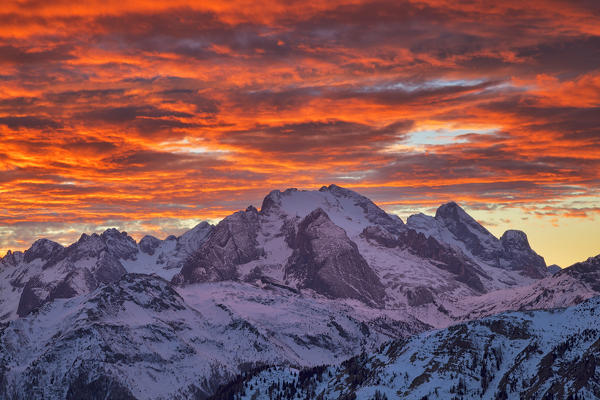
[453, 226]
[515, 239]
[459, 221]
[42, 249]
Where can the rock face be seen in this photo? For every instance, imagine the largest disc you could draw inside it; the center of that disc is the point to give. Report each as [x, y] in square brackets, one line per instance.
[149, 244]
[452, 226]
[518, 255]
[553, 269]
[231, 243]
[328, 262]
[586, 272]
[478, 240]
[43, 249]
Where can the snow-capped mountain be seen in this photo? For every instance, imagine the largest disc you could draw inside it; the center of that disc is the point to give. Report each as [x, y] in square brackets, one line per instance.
[47, 270]
[313, 277]
[552, 354]
[337, 243]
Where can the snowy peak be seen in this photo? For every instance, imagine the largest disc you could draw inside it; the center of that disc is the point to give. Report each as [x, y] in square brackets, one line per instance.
[346, 208]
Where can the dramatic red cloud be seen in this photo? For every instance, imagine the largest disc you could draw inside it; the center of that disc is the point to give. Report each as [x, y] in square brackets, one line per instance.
[140, 114]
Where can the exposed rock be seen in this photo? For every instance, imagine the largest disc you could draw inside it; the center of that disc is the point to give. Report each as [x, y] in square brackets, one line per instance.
[192, 240]
[380, 236]
[587, 272]
[328, 262]
[68, 281]
[12, 258]
[119, 244]
[108, 268]
[457, 229]
[553, 269]
[478, 240]
[77, 282]
[419, 296]
[232, 242]
[34, 295]
[148, 244]
[43, 249]
[518, 255]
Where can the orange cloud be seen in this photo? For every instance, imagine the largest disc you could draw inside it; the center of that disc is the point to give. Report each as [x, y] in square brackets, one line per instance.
[153, 111]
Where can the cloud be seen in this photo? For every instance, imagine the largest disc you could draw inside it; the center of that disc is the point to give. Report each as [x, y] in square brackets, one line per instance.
[133, 111]
[29, 122]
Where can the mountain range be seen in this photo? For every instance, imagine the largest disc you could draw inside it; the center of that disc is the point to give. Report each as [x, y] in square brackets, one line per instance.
[314, 284]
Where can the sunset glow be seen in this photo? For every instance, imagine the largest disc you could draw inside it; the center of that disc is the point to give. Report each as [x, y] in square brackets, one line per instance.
[151, 116]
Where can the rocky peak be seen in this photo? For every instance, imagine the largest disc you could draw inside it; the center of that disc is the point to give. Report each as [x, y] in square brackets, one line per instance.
[148, 244]
[12, 258]
[587, 272]
[553, 269]
[457, 219]
[119, 244]
[232, 242]
[328, 262]
[515, 239]
[476, 239]
[518, 255]
[43, 249]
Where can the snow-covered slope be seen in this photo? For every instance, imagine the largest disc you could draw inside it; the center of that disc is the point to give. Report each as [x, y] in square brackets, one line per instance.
[139, 338]
[567, 287]
[553, 354]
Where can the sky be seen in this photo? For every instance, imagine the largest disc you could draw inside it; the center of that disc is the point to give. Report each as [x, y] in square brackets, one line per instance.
[151, 116]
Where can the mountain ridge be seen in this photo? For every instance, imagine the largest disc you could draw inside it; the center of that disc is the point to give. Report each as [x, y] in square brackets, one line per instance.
[312, 278]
